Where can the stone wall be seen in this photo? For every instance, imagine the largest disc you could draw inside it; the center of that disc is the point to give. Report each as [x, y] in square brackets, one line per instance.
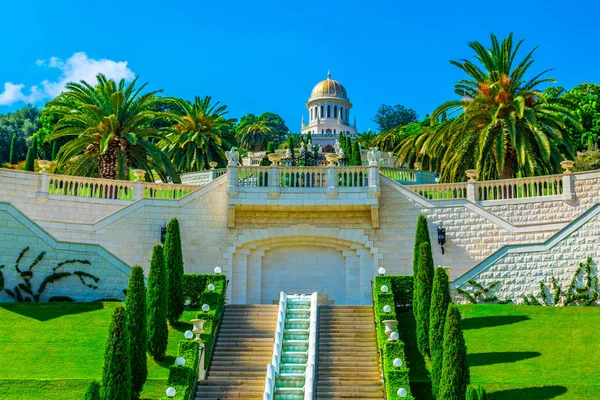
[17, 232]
[520, 269]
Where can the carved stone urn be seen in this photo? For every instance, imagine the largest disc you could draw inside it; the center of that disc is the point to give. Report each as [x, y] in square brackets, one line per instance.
[213, 164]
[198, 328]
[332, 158]
[139, 174]
[390, 326]
[44, 165]
[567, 166]
[274, 158]
[471, 174]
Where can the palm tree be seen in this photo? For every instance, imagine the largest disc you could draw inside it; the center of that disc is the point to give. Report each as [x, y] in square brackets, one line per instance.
[256, 135]
[199, 134]
[109, 127]
[366, 139]
[388, 140]
[503, 125]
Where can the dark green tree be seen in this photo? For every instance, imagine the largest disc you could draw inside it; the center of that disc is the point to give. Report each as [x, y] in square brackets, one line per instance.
[54, 150]
[174, 267]
[308, 138]
[158, 330]
[30, 159]
[116, 376]
[455, 369]
[440, 300]
[1, 158]
[356, 154]
[135, 305]
[93, 391]
[423, 289]
[476, 393]
[421, 236]
[390, 117]
[13, 151]
[292, 145]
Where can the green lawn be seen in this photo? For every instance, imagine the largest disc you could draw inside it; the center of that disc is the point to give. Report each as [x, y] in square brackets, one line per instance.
[52, 350]
[522, 352]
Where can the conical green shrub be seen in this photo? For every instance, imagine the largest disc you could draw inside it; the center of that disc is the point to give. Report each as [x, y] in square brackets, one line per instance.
[30, 158]
[440, 300]
[174, 267]
[116, 376]
[93, 391]
[455, 369]
[421, 236]
[423, 289]
[12, 158]
[476, 393]
[158, 331]
[135, 305]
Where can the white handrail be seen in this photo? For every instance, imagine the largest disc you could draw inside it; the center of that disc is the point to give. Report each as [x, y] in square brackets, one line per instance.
[309, 380]
[273, 367]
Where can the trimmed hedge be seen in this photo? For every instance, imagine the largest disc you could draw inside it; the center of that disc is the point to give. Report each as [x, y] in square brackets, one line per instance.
[402, 288]
[395, 378]
[183, 378]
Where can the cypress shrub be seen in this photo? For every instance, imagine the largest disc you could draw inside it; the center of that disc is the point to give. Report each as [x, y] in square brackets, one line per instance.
[421, 236]
[476, 393]
[13, 150]
[356, 154]
[30, 158]
[158, 330]
[481, 393]
[93, 391]
[455, 369]
[135, 305]
[174, 266]
[440, 300]
[116, 376]
[1, 158]
[54, 150]
[422, 295]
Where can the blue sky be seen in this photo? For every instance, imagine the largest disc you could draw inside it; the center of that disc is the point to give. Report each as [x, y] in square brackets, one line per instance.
[257, 56]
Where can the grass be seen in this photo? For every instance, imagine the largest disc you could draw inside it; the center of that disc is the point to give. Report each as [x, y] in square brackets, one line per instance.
[521, 352]
[53, 350]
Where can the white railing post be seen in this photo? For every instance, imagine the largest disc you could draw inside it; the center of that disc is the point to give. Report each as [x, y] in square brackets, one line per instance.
[274, 181]
[568, 182]
[373, 178]
[472, 192]
[331, 180]
[233, 179]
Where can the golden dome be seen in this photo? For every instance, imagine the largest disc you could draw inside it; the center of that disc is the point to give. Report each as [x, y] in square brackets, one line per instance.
[329, 88]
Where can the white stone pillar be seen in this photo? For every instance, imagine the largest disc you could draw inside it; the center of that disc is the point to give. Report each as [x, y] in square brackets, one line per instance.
[233, 179]
[568, 183]
[331, 180]
[373, 178]
[274, 181]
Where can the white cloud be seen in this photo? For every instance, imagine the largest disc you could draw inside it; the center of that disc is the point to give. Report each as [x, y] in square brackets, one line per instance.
[76, 68]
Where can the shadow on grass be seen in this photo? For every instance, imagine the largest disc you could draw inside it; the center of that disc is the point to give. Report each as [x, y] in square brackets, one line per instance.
[420, 381]
[538, 393]
[167, 361]
[479, 359]
[47, 311]
[490, 322]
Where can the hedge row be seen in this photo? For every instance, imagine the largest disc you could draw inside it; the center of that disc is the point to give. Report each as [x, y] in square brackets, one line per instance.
[402, 288]
[183, 378]
[195, 288]
[395, 378]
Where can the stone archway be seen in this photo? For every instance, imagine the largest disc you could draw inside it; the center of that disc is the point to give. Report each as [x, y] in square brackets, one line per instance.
[337, 263]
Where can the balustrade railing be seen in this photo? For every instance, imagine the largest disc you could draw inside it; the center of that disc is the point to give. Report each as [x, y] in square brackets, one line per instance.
[90, 187]
[305, 177]
[254, 176]
[441, 191]
[520, 188]
[353, 177]
[399, 174]
[167, 190]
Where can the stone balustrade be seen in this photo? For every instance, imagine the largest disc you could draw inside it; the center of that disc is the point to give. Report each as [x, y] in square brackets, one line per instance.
[283, 187]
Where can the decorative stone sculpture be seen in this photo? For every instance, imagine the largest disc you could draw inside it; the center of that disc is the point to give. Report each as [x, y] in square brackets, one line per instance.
[567, 166]
[309, 146]
[336, 146]
[139, 174]
[198, 328]
[274, 158]
[44, 165]
[390, 326]
[321, 149]
[213, 164]
[332, 158]
[233, 156]
[471, 174]
[373, 155]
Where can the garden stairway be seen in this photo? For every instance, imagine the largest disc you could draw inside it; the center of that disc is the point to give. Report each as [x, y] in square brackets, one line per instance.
[348, 366]
[243, 349]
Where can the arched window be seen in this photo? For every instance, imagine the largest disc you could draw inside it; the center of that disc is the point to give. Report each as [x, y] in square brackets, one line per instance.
[342, 112]
[335, 112]
[334, 132]
[322, 130]
[347, 115]
[328, 111]
[321, 111]
[311, 114]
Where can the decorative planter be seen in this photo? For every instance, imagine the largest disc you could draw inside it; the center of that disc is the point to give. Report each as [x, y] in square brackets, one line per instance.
[567, 166]
[390, 326]
[332, 158]
[213, 164]
[274, 158]
[44, 165]
[139, 174]
[471, 174]
[418, 166]
[198, 328]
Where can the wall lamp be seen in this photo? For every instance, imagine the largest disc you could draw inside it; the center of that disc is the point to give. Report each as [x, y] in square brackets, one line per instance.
[441, 237]
[163, 233]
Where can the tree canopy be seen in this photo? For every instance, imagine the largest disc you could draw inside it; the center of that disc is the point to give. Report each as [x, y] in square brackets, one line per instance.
[389, 117]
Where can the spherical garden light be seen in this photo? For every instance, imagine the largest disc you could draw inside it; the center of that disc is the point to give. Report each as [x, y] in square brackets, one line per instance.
[381, 271]
[171, 392]
[211, 287]
[394, 336]
[180, 361]
[402, 392]
[205, 307]
[387, 308]
[218, 270]
[397, 362]
[188, 335]
[385, 289]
